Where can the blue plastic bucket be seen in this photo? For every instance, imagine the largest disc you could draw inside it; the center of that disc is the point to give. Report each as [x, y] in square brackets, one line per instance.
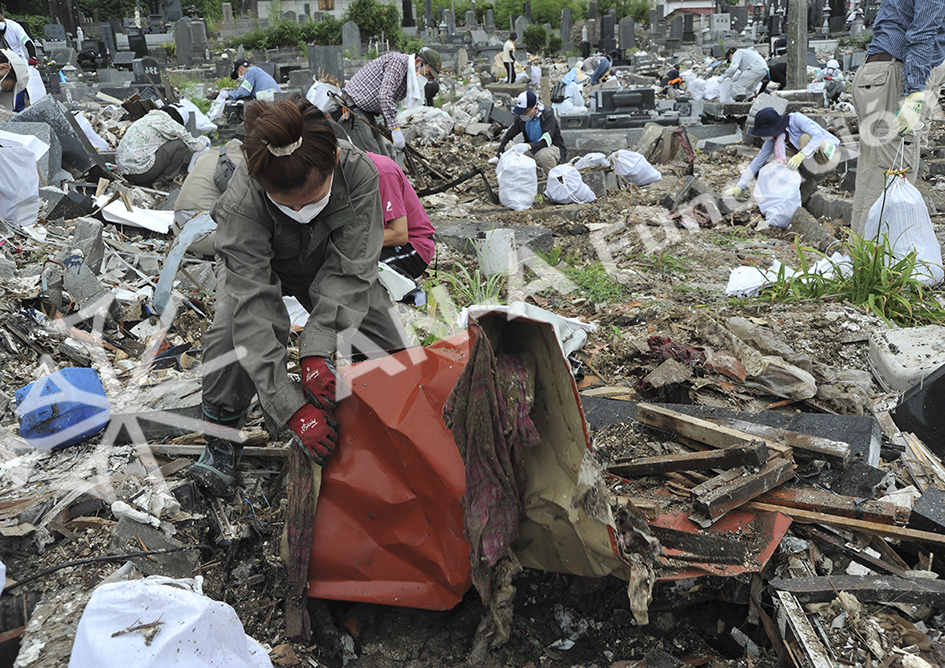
[62, 409]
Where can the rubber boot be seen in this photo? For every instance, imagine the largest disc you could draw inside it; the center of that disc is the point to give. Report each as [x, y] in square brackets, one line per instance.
[216, 468]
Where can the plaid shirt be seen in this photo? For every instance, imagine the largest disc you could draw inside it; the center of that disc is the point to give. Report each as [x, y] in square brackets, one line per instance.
[380, 85]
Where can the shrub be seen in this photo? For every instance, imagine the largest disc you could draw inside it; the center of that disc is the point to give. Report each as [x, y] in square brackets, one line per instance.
[535, 37]
[554, 43]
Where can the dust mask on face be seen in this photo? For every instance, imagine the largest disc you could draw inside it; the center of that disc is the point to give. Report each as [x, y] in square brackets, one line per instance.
[307, 213]
[3, 27]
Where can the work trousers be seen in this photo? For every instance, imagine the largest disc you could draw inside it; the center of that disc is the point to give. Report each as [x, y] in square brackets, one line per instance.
[547, 158]
[509, 72]
[169, 160]
[228, 386]
[877, 88]
[747, 82]
[603, 67]
[404, 259]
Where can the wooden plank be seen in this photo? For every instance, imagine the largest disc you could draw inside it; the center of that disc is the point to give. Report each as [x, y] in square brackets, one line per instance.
[649, 507]
[197, 450]
[700, 430]
[791, 614]
[752, 454]
[851, 551]
[819, 501]
[866, 588]
[715, 501]
[888, 530]
[805, 446]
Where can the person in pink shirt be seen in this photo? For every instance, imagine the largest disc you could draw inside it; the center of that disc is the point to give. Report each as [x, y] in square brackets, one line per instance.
[408, 234]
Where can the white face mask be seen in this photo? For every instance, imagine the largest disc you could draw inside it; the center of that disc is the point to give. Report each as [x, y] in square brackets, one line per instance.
[307, 213]
[3, 26]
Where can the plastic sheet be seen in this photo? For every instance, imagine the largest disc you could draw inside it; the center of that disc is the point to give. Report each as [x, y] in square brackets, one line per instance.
[389, 524]
[19, 187]
[176, 626]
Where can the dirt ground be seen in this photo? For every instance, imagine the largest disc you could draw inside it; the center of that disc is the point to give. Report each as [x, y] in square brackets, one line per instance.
[663, 278]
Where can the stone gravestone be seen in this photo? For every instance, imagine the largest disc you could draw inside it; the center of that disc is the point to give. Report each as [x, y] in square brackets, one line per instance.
[462, 59]
[407, 8]
[138, 44]
[626, 34]
[471, 19]
[429, 20]
[183, 41]
[351, 39]
[837, 24]
[54, 32]
[198, 36]
[490, 21]
[144, 68]
[653, 22]
[689, 33]
[607, 41]
[520, 24]
[480, 36]
[324, 60]
[291, 16]
[527, 10]
[108, 37]
[567, 23]
[228, 27]
[592, 10]
[676, 29]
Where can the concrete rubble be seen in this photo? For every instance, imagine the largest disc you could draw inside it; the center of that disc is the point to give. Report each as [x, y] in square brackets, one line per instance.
[782, 451]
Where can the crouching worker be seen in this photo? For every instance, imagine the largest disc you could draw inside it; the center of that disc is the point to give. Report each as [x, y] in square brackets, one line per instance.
[14, 77]
[302, 217]
[408, 234]
[544, 143]
[156, 148]
[794, 140]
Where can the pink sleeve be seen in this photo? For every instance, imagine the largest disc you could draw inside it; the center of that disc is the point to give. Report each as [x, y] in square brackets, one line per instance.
[392, 197]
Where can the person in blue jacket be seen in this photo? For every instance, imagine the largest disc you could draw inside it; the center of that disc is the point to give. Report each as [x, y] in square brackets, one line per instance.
[255, 80]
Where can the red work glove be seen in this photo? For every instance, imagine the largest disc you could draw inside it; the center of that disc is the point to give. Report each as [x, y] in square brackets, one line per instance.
[319, 381]
[31, 62]
[317, 431]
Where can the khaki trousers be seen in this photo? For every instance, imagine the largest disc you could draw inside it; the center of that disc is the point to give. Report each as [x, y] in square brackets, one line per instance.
[932, 91]
[877, 89]
[547, 158]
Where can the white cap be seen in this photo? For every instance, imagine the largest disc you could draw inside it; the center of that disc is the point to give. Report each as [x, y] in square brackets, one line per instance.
[832, 64]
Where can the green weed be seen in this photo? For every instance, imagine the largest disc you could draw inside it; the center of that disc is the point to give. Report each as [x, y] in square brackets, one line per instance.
[877, 282]
[595, 284]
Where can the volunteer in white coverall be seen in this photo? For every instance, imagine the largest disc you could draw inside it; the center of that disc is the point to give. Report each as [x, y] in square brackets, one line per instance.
[746, 71]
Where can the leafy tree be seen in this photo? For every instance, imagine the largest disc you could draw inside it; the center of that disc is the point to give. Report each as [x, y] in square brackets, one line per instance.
[535, 37]
[639, 10]
[374, 19]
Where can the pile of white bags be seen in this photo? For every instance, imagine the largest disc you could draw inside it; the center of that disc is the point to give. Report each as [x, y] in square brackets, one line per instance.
[189, 630]
[565, 186]
[634, 167]
[591, 160]
[901, 214]
[518, 180]
[778, 192]
[432, 124]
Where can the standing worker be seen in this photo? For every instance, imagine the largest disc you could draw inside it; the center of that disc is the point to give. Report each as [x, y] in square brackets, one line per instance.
[302, 217]
[408, 233]
[508, 58]
[746, 71]
[794, 140]
[378, 87]
[889, 92]
[538, 124]
[15, 38]
[255, 80]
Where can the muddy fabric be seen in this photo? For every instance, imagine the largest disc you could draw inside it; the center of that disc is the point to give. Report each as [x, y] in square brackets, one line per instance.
[488, 414]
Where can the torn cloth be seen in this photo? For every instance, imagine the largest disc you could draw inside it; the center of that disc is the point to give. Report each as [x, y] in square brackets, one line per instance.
[487, 412]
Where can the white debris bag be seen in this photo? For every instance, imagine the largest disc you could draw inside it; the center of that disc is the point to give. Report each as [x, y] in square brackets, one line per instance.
[518, 180]
[565, 186]
[19, 186]
[94, 138]
[318, 95]
[901, 214]
[431, 124]
[633, 166]
[201, 122]
[778, 192]
[591, 160]
[216, 109]
[158, 622]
